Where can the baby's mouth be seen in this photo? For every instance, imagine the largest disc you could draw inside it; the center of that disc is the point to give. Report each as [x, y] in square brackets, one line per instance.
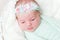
[30, 28]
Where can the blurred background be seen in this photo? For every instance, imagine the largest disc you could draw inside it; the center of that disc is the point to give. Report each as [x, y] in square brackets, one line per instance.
[2, 4]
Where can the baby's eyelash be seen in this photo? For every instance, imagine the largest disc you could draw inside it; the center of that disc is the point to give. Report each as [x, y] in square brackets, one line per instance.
[23, 22]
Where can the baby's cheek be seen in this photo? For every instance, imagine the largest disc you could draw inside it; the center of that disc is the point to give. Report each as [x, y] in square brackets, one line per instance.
[23, 27]
[37, 22]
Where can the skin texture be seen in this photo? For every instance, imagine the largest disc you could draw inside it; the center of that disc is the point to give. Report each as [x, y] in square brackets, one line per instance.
[28, 21]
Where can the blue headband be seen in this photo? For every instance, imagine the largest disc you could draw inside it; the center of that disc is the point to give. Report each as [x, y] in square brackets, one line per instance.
[31, 6]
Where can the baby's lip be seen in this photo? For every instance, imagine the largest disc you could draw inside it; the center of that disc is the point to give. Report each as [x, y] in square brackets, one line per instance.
[30, 28]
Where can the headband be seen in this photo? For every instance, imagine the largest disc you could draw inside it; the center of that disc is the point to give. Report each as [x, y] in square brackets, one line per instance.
[31, 6]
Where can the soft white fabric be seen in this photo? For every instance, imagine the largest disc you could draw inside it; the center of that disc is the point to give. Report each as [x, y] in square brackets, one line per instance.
[0, 30]
[50, 8]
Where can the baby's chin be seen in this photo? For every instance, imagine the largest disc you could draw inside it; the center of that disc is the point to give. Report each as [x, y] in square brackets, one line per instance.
[30, 30]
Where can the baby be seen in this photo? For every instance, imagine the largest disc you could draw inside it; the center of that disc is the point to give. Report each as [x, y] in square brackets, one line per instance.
[34, 25]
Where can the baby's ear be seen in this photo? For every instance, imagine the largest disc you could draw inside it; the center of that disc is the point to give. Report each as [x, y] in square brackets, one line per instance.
[16, 15]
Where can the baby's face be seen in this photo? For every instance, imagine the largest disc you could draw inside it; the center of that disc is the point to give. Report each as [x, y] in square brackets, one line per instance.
[28, 21]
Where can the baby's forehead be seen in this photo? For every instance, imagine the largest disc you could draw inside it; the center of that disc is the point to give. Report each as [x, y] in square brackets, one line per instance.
[28, 15]
[34, 12]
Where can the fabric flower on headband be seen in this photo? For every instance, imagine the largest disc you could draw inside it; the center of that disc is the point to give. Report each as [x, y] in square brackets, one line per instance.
[22, 8]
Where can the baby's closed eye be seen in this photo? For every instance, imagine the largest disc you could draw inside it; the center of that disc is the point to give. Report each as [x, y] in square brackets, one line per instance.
[33, 19]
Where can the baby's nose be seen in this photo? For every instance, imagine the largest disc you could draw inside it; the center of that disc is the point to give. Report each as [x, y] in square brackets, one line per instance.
[29, 23]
